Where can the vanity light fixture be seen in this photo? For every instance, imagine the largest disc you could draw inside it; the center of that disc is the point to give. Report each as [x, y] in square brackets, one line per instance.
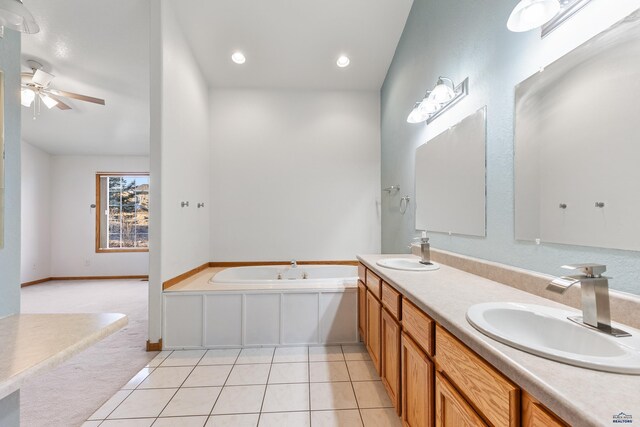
[15, 16]
[435, 102]
[343, 61]
[530, 14]
[238, 57]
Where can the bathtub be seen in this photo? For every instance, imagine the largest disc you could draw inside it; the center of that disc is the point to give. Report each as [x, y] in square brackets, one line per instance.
[261, 306]
[303, 275]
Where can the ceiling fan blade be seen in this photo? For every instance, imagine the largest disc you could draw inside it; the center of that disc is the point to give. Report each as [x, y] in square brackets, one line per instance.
[61, 105]
[42, 78]
[77, 96]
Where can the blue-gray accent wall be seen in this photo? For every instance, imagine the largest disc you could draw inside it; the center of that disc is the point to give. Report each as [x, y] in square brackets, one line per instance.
[469, 38]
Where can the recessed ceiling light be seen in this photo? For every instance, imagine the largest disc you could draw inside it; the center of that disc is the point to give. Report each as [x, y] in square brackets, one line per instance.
[343, 61]
[238, 58]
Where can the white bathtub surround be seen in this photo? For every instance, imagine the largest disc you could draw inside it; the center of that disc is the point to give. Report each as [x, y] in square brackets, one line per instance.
[274, 276]
[43, 341]
[282, 396]
[200, 314]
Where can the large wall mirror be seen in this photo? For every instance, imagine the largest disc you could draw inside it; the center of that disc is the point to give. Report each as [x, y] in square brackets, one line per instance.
[577, 145]
[450, 179]
[1, 159]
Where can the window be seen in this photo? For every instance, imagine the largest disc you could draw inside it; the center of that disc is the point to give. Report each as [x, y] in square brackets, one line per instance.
[122, 212]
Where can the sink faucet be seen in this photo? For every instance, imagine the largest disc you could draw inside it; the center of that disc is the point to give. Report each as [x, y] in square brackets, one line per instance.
[425, 249]
[294, 263]
[596, 313]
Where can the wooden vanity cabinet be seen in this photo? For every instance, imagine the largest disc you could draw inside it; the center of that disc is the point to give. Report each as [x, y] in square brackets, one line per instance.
[373, 329]
[362, 311]
[417, 381]
[391, 333]
[534, 414]
[452, 410]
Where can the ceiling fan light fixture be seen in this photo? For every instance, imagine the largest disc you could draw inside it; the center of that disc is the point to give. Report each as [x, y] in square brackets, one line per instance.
[48, 101]
[530, 14]
[27, 96]
[15, 16]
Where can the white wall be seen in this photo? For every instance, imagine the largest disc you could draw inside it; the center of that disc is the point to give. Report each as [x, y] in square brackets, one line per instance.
[35, 262]
[73, 221]
[179, 159]
[294, 174]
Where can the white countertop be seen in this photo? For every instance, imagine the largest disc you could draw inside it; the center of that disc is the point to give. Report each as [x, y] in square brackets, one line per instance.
[582, 397]
[31, 343]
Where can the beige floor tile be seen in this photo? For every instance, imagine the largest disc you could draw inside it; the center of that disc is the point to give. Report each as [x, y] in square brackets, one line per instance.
[371, 394]
[349, 418]
[286, 398]
[328, 372]
[355, 352]
[238, 420]
[255, 355]
[138, 378]
[91, 423]
[325, 354]
[162, 377]
[180, 422]
[362, 370]
[291, 354]
[143, 403]
[239, 400]
[184, 358]
[380, 418]
[208, 376]
[192, 401]
[223, 356]
[156, 361]
[111, 404]
[285, 419]
[332, 396]
[249, 374]
[289, 373]
[138, 422]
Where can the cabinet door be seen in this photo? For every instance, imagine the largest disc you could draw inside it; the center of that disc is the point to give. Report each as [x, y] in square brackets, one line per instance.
[362, 311]
[535, 414]
[451, 408]
[417, 385]
[390, 357]
[373, 329]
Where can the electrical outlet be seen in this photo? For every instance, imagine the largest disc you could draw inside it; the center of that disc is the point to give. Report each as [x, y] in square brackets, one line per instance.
[87, 262]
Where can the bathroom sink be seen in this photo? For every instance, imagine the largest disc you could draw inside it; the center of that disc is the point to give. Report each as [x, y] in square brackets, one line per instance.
[406, 264]
[547, 332]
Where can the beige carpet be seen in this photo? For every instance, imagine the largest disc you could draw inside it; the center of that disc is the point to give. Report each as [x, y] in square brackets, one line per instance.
[68, 395]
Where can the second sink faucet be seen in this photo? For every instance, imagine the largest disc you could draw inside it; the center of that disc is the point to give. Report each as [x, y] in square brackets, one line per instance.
[596, 312]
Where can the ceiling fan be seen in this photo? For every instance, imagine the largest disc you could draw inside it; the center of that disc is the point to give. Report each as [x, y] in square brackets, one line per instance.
[37, 90]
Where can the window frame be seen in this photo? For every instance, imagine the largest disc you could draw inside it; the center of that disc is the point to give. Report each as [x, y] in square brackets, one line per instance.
[99, 249]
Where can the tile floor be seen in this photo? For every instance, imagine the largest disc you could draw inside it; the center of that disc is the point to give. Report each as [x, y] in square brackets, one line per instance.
[283, 387]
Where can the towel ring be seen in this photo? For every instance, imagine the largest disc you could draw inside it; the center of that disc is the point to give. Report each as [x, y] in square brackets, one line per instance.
[404, 201]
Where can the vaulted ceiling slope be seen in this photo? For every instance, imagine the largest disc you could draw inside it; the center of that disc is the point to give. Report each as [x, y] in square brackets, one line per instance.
[293, 44]
[97, 48]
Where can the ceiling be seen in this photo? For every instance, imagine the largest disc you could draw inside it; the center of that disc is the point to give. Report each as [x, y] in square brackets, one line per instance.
[294, 44]
[101, 49]
[97, 48]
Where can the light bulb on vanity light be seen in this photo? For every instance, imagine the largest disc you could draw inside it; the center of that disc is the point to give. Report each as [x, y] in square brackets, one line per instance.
[530, 14]
[444, 91]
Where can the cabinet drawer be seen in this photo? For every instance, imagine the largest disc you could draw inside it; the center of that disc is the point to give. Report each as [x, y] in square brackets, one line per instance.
[495, 397]
[374, 283]
[534, 414]
[419, 326]
[362, 272]
[391, 300]
[451, 408]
